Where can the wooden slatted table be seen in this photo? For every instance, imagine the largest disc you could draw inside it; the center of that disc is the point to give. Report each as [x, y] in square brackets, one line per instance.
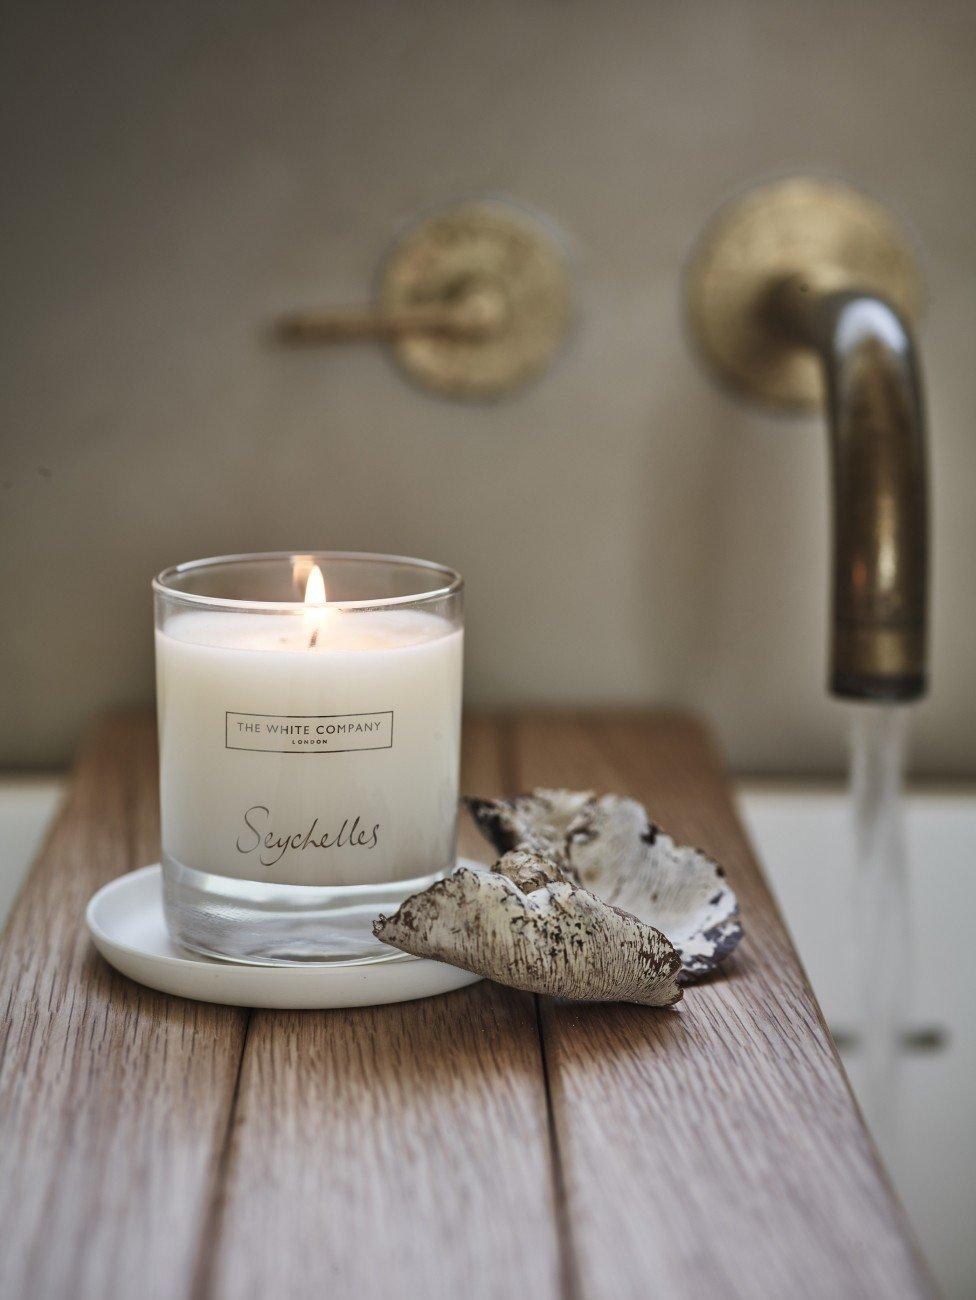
[480, 1144]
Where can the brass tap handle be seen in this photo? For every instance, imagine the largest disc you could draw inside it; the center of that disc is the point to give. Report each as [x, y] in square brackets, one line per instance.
[479, 312]
[473, 302]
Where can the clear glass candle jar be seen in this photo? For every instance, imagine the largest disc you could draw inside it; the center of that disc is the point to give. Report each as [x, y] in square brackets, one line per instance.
[309, 744]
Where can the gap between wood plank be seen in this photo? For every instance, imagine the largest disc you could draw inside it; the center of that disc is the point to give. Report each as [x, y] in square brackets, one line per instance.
[202, 1281]
[569, 1272]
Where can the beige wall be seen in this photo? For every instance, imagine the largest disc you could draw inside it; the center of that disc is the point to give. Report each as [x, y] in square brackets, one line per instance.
[175, 174]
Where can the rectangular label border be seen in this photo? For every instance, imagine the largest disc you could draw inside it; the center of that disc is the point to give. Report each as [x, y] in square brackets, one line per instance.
[307, 753]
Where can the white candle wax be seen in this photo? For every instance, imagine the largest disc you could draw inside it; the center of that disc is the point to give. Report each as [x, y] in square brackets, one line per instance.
[315, 748]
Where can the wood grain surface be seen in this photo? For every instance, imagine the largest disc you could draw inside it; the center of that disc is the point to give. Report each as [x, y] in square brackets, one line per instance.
[399, 1150]
[714, 1148]
[114, 1100]
[480, 1144]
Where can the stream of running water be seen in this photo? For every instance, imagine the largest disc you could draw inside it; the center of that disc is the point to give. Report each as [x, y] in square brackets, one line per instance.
[882, 966]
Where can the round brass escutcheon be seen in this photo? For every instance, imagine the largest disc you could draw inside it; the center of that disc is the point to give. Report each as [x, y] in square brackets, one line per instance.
[819, 234]
[502, 274]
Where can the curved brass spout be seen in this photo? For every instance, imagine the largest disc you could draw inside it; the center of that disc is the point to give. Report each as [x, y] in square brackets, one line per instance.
[880, 498]
[793, 297]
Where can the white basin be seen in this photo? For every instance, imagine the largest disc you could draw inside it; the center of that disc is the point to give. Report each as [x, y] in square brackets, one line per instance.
[27, 804]
[802, 837]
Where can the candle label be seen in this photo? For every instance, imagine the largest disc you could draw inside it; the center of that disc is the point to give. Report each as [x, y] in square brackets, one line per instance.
[290, 733]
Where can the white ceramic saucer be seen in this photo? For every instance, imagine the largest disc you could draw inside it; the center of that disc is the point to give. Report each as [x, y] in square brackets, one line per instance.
[125, 919]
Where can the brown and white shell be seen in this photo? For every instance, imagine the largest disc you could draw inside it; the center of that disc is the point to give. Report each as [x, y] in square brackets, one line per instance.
[611, 847]
[525, 925]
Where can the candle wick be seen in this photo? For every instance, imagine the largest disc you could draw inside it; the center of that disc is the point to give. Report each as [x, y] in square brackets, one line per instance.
[313, 638]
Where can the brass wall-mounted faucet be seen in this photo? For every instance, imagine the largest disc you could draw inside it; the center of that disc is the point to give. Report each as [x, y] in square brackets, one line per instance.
[800, 294]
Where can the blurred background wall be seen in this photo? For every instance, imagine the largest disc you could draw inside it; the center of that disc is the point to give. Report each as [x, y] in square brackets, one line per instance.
[174, 175]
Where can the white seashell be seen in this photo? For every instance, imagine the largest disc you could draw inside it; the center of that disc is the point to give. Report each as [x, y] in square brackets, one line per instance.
[610, 846]
[526, 926]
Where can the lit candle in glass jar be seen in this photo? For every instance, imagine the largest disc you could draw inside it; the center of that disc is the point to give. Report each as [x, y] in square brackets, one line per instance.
[309, 748]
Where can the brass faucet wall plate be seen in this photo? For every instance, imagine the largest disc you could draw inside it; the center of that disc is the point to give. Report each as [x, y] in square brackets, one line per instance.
[500, 269]
[821, 234]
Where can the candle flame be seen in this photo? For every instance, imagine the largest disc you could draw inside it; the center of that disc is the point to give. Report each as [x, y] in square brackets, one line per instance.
[315, 587]
[316, 604]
